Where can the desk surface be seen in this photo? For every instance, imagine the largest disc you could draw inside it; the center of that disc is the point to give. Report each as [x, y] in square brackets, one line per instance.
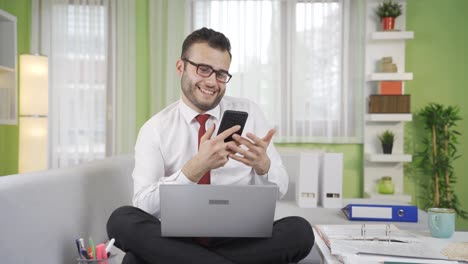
[320, 215]
[435, 243]
[331, 216]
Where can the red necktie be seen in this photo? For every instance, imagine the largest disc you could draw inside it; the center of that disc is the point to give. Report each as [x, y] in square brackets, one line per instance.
[206, 179]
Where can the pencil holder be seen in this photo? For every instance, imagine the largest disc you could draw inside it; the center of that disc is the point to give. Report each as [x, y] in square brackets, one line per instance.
[110, 260]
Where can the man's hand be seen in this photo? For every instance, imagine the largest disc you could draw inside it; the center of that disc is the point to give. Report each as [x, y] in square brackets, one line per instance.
[212, 154]
[255, 155]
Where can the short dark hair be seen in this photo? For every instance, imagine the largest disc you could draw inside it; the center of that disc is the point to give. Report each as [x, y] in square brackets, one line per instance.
[216, 40]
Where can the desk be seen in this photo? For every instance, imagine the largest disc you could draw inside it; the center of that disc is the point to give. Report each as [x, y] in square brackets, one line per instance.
[320, 215]
[331, 216]
[436, 243]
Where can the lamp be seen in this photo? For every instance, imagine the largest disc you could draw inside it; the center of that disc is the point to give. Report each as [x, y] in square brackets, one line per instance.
[33, 125]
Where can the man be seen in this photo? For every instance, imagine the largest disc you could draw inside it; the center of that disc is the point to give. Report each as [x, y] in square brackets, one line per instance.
[168, 151]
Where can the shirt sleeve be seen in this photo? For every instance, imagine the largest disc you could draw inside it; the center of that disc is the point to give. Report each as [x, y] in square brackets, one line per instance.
[149, 171]
[277, 173]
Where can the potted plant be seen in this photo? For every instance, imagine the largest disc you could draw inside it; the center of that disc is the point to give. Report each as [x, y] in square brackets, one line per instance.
[386, 185]
[437, 156]
[387, 138]
[387, 11]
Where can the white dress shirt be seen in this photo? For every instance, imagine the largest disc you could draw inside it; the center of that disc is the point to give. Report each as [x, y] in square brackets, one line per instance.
[170, 138]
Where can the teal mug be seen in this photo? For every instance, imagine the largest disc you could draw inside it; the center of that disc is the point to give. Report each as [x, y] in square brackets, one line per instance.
[441, 222]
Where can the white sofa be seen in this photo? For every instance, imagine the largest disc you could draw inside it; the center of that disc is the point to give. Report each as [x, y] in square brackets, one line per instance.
[43, 212]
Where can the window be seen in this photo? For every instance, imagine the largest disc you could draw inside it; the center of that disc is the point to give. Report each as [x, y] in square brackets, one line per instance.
[79, 61]
[293, 58]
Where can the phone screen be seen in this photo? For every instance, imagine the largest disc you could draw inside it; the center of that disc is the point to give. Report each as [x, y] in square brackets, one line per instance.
[230, 119]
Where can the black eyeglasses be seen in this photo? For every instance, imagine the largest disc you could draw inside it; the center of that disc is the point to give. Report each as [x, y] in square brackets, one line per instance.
[206, 71]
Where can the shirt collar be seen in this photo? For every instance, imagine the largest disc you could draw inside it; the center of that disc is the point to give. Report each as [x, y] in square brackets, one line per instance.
[189, 114]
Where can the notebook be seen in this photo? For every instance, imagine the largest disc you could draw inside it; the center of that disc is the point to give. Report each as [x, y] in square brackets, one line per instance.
[217, 210]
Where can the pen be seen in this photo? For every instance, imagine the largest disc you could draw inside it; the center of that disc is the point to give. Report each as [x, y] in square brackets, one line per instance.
[90, 252]
[85, 254]
[109, 245]
[82, 247]
[93, 249]
[77, 241]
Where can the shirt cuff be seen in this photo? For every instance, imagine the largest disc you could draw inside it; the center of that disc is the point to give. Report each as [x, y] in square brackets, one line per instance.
[183, 179]
[265, 176]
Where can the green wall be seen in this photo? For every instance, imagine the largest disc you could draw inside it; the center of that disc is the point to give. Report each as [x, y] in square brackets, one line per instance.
[438, 57]
[9, 134]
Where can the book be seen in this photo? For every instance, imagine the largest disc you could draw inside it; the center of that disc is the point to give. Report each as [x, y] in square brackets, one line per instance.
[391, 87]
[389, 104]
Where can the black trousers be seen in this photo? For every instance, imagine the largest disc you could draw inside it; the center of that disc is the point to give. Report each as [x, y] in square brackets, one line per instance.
[139, 235]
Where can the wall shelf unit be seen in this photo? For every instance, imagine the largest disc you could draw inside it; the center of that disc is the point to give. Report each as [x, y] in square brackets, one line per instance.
[392, 35]
[397, 76]
[376, 164]
[388, 198]
[389, 157]
[389, 117]
[8, 77]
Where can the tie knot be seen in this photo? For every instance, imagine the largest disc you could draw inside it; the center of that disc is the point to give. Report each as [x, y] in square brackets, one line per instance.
[202, 119]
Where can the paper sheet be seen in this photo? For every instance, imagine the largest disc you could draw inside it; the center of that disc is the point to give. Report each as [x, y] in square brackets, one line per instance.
[456, 251]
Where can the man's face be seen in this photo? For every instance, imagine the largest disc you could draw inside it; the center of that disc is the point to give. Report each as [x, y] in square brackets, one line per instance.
[198, 92]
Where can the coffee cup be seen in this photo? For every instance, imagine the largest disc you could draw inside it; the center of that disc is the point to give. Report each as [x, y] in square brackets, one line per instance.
[441, 222]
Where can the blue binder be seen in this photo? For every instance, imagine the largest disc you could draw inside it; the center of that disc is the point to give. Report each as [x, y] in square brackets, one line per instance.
[380, 212]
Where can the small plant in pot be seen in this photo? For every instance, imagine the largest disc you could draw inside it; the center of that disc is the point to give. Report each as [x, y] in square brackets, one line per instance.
[388, 11]
[387, 138]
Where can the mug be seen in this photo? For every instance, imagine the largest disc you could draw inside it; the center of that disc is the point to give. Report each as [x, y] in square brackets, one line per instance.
[441, 222]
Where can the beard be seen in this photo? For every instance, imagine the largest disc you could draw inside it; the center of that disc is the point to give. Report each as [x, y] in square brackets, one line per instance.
[195, 96]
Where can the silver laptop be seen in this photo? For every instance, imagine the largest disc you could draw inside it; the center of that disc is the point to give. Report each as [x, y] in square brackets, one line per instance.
[217, 210]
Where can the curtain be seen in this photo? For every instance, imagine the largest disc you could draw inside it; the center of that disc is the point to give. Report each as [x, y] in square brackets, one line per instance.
[91, 50]
[301, 61]
[167, 31]
[122, 78]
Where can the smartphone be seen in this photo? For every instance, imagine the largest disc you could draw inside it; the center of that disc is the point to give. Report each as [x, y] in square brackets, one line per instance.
[230, 119]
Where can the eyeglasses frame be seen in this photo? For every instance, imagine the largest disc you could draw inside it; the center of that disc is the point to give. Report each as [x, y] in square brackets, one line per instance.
[212, 70]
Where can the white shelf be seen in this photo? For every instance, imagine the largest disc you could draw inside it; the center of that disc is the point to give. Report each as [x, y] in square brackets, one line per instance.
[380, 44]
[389, 157]
[397, 76]
[389, 35]
[6, 69]
[7, 122]
[4, 16]
[389, 117]
[390, 198]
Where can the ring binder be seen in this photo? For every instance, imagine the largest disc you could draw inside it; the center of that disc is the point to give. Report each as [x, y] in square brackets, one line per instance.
[375, 212]
[365, 241]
